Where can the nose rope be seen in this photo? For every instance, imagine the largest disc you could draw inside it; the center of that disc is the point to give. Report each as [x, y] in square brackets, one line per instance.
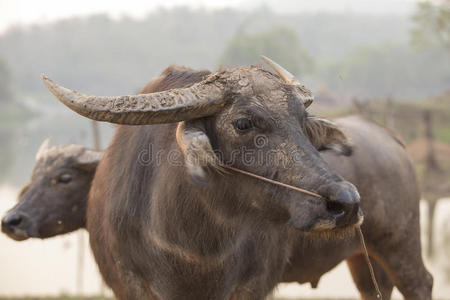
[369, 264]
[358, 229]
[274, 182]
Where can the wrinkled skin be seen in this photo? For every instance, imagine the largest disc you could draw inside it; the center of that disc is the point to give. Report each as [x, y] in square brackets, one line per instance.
[54, 202]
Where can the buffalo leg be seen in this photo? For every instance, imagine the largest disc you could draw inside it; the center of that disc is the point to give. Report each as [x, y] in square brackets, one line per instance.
[361, 276]
[403, 261]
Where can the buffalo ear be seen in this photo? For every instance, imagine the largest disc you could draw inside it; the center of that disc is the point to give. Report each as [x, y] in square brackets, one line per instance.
[197, 150]
[325, 134]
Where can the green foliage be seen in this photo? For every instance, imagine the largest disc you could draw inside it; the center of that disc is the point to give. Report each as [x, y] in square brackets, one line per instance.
[432, 25]
[280, 44]
[6, 94]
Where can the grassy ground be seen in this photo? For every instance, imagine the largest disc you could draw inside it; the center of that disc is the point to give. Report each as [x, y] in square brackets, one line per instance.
[102, 298]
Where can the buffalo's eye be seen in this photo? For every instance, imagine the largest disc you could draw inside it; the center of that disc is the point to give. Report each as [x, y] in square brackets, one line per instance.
[65, 178]
[243, 125]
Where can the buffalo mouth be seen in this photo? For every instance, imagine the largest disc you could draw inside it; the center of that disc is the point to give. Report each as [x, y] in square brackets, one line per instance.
[50, 229]
[16, 225]
[332, 224]
[16, 234]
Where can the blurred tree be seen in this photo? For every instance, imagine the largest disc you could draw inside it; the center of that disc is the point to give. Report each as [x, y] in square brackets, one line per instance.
[432, 25]
[390, 70]
[281, 44]
[6, 93]
[100, 55]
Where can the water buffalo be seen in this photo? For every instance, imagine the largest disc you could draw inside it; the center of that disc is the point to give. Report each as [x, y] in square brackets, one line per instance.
[54, 202]
[157, 234]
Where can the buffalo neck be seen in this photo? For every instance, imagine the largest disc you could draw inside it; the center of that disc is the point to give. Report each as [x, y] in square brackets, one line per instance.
[197, 221]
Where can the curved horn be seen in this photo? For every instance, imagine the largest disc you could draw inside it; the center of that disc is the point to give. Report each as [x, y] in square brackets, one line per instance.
[288, 78]
[282, 72]
[43, 148]
[199, 100]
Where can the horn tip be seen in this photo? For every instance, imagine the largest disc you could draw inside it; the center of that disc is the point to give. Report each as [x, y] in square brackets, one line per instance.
[50, 84]
[266, 59]
[43, 148]
[46, 80]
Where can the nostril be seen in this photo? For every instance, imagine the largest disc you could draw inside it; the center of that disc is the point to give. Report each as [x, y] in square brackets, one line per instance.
[335, 208]
[12, 220]
[16, 221]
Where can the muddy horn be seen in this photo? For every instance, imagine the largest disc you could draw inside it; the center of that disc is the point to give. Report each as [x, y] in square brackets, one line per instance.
[287, 77]
[200, 100]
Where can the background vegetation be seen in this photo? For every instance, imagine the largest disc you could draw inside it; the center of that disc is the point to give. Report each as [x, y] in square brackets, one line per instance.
[367, 56]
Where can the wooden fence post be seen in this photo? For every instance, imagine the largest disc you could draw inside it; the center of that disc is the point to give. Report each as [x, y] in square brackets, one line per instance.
[431, 167]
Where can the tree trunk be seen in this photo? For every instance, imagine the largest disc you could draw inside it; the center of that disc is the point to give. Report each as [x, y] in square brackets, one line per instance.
[432, 169]
[388, 117]
[431, 162]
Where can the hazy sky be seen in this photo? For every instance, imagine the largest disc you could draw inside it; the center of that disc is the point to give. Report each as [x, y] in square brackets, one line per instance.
[19, 12]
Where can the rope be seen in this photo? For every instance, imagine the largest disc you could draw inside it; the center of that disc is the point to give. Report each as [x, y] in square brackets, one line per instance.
[274, 182]
[361, 236]
[369, 264]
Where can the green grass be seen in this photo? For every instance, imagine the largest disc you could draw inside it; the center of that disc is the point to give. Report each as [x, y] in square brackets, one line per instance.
[103, 298]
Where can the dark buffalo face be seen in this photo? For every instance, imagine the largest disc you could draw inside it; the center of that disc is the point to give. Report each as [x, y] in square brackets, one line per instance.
[267, 131]
[54, 202]
[251, 119]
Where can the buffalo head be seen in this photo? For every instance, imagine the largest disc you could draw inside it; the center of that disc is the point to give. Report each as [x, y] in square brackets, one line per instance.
[251, 119]
[54, 202]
